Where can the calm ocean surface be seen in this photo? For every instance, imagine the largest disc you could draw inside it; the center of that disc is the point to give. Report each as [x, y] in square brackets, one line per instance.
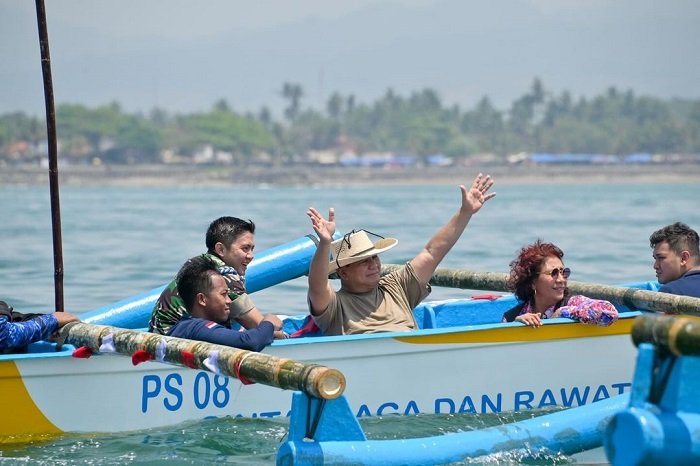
[118, 242]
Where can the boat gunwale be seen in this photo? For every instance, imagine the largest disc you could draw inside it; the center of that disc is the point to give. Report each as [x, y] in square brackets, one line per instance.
[408, 336]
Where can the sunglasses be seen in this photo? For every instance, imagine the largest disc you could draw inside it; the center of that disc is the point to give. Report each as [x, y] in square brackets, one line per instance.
[554, 273]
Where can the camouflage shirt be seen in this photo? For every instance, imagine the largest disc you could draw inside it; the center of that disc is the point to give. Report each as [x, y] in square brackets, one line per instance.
[170, 308]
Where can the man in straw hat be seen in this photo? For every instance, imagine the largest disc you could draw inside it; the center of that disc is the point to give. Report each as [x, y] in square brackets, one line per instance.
[367, 302]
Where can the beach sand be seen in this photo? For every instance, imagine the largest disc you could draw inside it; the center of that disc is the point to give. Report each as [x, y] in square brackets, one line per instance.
[307, 175]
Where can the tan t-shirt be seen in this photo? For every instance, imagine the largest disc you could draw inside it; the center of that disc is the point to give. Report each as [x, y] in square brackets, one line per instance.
[388, 308]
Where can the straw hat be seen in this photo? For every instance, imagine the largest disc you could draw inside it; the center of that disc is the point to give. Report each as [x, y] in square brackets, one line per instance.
[355, 247]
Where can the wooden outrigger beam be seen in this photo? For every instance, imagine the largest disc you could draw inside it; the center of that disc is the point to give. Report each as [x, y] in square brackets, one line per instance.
[631, 297]
[247, 366]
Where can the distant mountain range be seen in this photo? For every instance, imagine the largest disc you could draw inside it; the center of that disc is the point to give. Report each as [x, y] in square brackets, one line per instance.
[463, 49]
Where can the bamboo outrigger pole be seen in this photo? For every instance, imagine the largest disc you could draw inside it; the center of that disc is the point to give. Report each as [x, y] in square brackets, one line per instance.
[247, 366]
[631, 297]
[53, 155]
[674, 334]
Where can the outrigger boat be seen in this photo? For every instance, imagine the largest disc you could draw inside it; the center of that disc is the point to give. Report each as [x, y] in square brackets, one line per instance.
[445, 367]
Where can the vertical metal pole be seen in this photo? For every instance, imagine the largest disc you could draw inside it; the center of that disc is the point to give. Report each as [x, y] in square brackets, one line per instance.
[53, 154]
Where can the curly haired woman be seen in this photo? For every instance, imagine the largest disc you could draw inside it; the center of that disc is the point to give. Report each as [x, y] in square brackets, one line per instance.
[538, 279]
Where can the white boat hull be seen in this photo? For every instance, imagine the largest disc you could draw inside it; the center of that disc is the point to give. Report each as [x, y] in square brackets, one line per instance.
[480, 369]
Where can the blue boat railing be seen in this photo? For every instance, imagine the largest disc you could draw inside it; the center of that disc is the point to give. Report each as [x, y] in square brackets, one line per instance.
[661, 425]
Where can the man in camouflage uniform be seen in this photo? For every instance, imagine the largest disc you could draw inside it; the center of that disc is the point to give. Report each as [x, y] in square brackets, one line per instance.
[230, 243]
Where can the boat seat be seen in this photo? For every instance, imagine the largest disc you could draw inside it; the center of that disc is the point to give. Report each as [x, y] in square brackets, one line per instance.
[39, 347]
[425, 316]
[482, 309]
[300, 326]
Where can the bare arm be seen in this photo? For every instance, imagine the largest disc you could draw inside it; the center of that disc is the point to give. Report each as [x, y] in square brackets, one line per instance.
[440, 244]
[319, 286]
[252, 319]
[65, 317]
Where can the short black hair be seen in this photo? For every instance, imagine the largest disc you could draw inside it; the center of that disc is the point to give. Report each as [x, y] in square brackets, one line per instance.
[195, 277]
[226, 230]
[679, 236]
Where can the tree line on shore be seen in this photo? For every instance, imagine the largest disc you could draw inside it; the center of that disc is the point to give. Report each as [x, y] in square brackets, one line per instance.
[420, 124]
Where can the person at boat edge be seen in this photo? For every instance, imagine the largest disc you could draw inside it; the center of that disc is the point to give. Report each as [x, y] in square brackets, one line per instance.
[205, 294]
[18, 330]
[676, 254]
[367, 302]
[230, 243]
[538, 278]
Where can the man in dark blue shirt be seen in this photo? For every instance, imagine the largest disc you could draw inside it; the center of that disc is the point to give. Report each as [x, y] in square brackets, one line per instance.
[677, 259]
[206, 297]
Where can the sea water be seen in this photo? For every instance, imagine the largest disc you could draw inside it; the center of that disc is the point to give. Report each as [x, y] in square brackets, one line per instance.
[119, 242]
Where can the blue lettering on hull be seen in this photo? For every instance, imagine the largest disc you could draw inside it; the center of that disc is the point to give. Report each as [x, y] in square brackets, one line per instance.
[213, 391]
[522, 400]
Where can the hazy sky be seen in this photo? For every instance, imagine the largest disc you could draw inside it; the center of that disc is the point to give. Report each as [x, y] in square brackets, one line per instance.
[184, 55]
